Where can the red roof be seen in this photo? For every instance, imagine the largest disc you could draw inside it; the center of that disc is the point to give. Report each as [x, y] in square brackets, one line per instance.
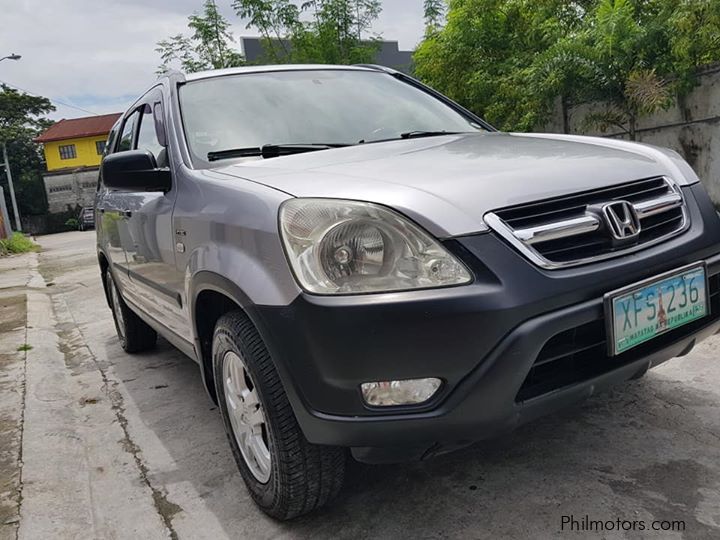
[79, 127]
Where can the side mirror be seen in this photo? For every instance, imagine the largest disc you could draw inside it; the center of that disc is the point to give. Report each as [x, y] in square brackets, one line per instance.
[134, 170]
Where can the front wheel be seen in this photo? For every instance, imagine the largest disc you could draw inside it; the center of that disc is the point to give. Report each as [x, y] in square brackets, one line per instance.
[286, 475]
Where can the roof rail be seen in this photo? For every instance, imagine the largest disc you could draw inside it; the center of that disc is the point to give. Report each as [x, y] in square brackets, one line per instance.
[378, 67]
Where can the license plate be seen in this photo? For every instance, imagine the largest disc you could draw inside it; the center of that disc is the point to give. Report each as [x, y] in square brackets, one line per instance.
[648, 309]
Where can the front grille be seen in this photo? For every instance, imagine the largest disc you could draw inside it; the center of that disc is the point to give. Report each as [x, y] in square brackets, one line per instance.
[580, 353]
[573, 230]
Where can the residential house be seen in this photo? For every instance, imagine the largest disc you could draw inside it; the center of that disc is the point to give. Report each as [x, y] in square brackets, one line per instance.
[73, 151]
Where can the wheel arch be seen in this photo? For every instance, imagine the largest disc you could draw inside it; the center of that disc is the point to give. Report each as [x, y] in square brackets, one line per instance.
[104, 263]
[208, 289]
[210, 297]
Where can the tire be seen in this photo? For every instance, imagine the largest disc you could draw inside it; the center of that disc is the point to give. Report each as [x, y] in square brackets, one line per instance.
[134, 334]
[640, 374]
[300, 477]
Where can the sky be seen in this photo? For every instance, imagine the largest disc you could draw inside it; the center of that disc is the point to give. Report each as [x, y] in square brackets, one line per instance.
[99, 55]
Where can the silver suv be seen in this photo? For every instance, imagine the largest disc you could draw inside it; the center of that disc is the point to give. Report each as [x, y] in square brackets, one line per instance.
[356, 262]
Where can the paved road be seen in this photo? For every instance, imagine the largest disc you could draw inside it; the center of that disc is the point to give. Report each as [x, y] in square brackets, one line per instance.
[118, 446]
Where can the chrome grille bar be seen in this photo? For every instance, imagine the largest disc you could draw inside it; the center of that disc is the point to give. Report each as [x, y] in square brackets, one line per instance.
[579, 226]
[558, 229]
[659, 205]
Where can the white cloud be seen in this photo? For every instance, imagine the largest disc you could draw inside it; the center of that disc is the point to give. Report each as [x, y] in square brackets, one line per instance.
[100, 54]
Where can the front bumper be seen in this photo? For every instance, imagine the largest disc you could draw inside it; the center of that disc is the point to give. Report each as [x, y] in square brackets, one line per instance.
[482, 340]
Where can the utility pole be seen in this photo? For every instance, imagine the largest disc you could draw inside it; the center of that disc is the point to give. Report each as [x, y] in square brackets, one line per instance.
[18, 225]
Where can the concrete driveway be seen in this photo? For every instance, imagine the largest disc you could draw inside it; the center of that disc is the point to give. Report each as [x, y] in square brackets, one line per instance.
[100, 444]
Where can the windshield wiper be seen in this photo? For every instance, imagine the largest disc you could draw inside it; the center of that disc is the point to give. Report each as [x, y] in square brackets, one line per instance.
[272, 150]
[418, 134]
[414, 135]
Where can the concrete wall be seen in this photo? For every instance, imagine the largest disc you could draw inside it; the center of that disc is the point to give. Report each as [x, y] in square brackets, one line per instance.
[692, 128]
[67, 190]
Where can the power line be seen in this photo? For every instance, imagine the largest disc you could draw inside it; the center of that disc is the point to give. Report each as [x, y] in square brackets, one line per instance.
[53, 100]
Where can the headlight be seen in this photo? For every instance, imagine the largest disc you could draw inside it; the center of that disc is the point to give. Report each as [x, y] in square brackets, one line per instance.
[347, 247]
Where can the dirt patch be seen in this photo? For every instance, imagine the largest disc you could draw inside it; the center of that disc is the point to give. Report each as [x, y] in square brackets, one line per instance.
[12, 313]
[57, 268]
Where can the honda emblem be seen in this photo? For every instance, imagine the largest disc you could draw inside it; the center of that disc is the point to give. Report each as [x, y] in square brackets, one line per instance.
[622, 220]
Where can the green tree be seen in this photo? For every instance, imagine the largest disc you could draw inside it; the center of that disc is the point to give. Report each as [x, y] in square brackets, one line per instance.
[335, 33]
[433, 13]
[620, 60]
[209, 47]
[484, 55]
[319, 31]
[276, 20]
[22, 119]
[511, 60]
[694, 29]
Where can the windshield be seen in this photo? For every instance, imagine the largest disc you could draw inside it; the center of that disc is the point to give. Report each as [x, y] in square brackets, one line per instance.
[330, 107]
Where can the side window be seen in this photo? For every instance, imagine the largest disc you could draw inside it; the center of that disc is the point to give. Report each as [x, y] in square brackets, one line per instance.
[147, 135]
[112, 137]
[126, 138]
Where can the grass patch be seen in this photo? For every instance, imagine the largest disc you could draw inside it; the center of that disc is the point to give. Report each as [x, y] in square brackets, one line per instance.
[24, 347]
[17, 243]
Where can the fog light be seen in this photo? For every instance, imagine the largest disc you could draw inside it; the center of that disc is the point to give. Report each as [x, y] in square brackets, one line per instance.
[409, 392]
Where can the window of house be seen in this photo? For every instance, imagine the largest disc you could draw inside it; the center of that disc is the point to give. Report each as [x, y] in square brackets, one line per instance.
[100, 147]
[67, 151]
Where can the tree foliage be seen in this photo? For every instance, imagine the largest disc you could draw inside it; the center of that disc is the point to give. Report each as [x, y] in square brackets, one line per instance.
[316, 31]
[510, 60]
[21, 120]
[483, 57]
[433, 14]
[210, 46]
[21, 112]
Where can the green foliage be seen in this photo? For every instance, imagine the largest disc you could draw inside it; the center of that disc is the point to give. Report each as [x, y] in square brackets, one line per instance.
[17, 243]
[620, 60]
[21, 120]
[24, 347]
[319, 31]
[209, 47]
[274, 19]
[21, 112]
[510, 60]
[72, 223]
[433, 13]
[694, 28]
[483, 57]
[27, 166]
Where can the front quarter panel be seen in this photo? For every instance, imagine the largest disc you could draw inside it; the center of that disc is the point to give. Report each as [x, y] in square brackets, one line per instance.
[228, 227]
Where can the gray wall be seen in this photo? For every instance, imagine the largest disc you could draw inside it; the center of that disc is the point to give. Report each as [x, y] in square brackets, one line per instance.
[70, 189]
[692, 128]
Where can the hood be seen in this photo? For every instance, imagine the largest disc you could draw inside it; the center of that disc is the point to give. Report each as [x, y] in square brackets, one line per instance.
[448, 183]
